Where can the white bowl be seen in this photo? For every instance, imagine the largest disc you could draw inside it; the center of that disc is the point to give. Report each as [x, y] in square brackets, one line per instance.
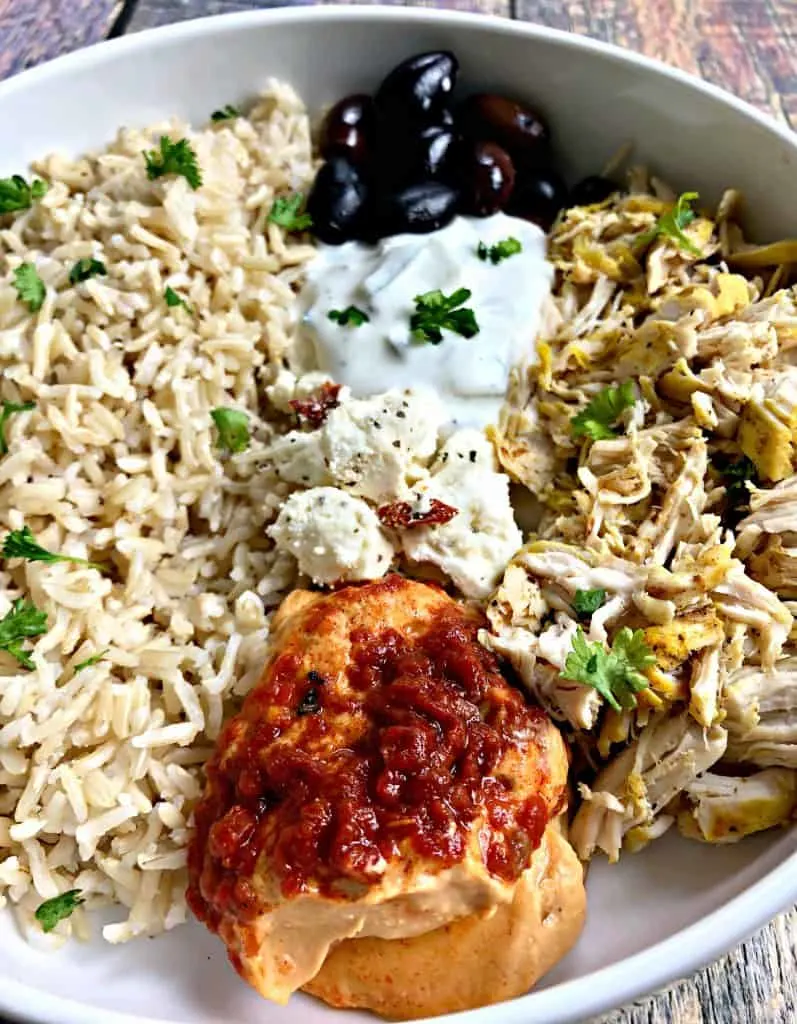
[656, 916]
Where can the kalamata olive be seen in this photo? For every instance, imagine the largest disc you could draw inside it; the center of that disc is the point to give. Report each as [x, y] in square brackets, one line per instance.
[418, 208]
[337, 201]
[593, 189]
[488, 177]
[348, 129]
[426, 154]
[515, 127]
[417, 87]
[538, 197]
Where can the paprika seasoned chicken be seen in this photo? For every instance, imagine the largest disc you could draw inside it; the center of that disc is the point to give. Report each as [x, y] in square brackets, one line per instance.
[380, 820]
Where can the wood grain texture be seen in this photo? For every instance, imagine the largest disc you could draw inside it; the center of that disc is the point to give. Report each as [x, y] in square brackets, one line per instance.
[32, 31]
[163, 12]
[747, 46]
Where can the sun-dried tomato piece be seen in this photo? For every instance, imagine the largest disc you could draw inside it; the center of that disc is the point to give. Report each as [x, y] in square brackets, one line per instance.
[315, 409]
[400, 515]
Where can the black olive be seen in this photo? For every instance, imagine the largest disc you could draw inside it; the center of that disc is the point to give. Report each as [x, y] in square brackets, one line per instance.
[418, 209]
[488, 178]
[348, 129]
[518, 129]
[337, 202]
[417, 87]
[426, 154]
[593, 189]
[539, 197]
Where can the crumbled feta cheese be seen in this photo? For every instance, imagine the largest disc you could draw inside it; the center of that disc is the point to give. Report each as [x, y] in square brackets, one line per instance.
[475, 546]
[375, 448]
[287, 388]
[333, 536]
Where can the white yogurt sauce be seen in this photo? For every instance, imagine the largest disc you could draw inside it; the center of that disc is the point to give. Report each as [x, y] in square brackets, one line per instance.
[469, 374]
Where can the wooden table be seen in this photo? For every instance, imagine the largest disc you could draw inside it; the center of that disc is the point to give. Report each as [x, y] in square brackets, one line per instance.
[747, 46]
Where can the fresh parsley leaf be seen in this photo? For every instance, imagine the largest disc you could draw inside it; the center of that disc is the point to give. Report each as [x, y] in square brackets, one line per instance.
[615, 674]
[17, 194]
[233, 429]
[227, 113]
[285, 213]
[173, 299]
[86, 268]
[672, 224]
[6, 412]
[736, 475]
[597, 418]
[49, 913]
[23, 620]
[30, 287]
[500, 251]
[351, 316]
[93, 660]
[587, 602]
[173, 158]
[22, 544]
[436, 312]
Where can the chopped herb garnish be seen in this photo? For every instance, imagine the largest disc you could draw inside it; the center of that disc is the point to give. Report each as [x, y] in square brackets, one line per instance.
[173, 299]
[736, 475]
[671, 224]
[86, 268]
[286, 213]
[351, 316]
[587, 602]
[58, 909]
[173, 158]
[22, 544]
[597, 418]
[436, 312]
[23, 620]
[7, 411]
[93, 660]
[233, 429]
[615, 674]
[17, 194]
[500, 251]
[30, 287]
[309, 704]
[227, 113]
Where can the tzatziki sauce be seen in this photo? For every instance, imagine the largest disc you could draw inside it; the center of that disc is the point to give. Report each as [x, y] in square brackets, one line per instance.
[383, 280]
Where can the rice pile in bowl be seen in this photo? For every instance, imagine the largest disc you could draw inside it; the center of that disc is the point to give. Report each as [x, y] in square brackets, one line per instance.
[118, 463]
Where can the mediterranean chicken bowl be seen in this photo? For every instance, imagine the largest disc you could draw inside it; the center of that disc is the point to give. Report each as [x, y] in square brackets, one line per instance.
[398, 535]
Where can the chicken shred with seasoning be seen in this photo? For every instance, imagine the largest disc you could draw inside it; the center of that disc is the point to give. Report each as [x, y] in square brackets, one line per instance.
[658, 431]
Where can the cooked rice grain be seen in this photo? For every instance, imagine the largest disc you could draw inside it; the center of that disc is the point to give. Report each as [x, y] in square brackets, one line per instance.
[117, 463]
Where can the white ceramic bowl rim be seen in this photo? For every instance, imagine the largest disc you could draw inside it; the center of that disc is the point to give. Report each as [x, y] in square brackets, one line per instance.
[690, 948]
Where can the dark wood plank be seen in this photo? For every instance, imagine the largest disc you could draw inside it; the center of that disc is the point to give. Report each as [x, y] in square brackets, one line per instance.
[746, 46]
[163, 12]
[33, 31]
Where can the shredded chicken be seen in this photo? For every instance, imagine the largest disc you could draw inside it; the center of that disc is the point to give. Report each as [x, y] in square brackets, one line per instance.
[658, 431]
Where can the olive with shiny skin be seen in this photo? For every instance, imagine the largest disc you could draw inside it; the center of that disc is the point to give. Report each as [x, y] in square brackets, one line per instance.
[539, 197]
[521, 131]
[337, 202]
[348, 129]
[417, 87]
[487, 179]
[417, 209]
[427, 154]
[593, 189]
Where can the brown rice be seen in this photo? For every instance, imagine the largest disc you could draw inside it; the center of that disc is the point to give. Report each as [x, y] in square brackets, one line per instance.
[118, 463]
